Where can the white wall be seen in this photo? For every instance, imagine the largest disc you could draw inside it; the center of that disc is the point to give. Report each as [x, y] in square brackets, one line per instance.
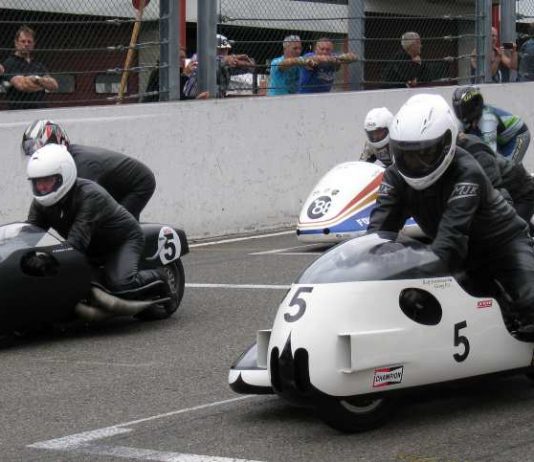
[226, 166]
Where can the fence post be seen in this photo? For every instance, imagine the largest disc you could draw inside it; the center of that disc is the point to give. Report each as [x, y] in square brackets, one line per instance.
[483, 39]
[169, 34]
[508, 20]
[207, 46]
[356, 25]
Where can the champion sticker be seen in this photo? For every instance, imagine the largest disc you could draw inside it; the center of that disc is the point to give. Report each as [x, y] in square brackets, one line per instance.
[485, 303]
[387, 376]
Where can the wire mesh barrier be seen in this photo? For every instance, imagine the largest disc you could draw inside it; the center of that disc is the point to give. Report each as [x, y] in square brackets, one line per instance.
[524, 45]
[446, 30]
[106, 51]
[81, 45]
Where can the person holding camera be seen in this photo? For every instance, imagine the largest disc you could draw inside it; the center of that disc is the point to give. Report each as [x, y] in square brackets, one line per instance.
[503, 59]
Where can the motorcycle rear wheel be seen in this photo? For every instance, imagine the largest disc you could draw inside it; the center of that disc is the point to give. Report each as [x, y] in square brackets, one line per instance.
[352, 415]
[176, 275]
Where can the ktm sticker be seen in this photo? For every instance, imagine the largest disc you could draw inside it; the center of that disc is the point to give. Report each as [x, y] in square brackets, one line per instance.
[386, 376]
[485, 303]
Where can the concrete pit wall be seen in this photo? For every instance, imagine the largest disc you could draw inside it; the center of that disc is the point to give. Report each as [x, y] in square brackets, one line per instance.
[227, 166]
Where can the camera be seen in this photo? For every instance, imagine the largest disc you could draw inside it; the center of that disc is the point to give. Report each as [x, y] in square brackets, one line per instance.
[508, 45]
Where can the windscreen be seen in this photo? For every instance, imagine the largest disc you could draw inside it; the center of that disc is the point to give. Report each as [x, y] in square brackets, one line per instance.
[374, 257]
[16, 236]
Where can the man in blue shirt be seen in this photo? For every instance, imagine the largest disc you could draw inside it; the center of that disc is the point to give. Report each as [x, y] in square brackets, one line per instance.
[319, 78]
[285, 70]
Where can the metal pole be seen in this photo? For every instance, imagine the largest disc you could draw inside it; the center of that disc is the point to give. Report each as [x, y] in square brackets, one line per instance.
[169, 34]
[483, 40]
[356, 28]
[508, 20]
[207, 46]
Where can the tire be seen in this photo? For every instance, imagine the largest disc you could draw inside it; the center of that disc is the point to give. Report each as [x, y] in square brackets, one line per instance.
[351, 415]
[176, 275]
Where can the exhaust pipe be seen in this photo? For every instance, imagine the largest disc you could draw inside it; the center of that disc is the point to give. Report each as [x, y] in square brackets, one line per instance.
[90, 313]
[116, 306]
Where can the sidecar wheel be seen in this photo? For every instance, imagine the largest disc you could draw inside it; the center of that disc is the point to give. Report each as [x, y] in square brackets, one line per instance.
[176, 274]
[351, 415]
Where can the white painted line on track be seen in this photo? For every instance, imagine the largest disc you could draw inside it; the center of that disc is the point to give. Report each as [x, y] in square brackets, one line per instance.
[96, 363]
[237, 286]
[300, 253]
[239, 239]
[84, 442]
[268, 252]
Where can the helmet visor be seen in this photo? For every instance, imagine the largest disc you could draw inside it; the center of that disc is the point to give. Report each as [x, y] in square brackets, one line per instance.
[377, 135]
[46, 184]
[29, 146]
[417, 159]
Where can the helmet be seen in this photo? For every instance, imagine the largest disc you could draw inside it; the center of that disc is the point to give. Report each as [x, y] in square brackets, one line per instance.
[41, 132]
[376, 126]
[467, 103]
[423, 139]
[52, 171]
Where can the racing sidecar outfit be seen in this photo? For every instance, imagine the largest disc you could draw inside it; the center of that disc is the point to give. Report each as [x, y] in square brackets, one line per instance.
[93, 223]
[472, 225]
[130, 182]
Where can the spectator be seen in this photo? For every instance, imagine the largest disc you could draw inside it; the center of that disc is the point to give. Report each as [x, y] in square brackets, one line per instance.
[227, 65]
[27, 80]
[526, 57]
[186, 70]
[320, 76]
[406, 68]
[285, 72]
[502, 61]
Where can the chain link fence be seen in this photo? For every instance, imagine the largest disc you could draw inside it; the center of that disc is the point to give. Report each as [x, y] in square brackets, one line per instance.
[83, 45]
[446, 28]
[525, 40]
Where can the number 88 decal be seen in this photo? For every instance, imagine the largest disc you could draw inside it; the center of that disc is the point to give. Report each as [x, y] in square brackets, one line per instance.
[319, 207]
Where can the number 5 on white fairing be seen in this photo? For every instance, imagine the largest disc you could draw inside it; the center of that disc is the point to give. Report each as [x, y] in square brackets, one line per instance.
[300, 302]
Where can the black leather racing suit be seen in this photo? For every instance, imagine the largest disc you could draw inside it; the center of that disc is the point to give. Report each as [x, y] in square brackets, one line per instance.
[130, 182]
[93, 223]
[503, 174]
[471, 225]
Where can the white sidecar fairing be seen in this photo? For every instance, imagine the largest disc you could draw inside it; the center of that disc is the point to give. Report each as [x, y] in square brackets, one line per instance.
[374, 315]
[340, 204]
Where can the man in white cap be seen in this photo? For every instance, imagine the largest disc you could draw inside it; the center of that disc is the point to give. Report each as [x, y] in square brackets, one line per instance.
[227, 65]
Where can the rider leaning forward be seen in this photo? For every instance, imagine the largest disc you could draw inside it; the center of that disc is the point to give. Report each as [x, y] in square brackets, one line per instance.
[452, 200]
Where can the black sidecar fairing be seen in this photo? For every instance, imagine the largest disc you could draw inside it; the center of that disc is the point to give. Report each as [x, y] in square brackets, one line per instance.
[30, 295]
[152, 231]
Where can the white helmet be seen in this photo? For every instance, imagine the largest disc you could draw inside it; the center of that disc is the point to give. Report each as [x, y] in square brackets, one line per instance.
[423, 139]
[376, 126]
[52, 171]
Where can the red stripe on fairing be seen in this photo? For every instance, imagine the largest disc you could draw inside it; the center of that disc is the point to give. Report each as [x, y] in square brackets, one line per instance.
[368, 189]
[352, 204]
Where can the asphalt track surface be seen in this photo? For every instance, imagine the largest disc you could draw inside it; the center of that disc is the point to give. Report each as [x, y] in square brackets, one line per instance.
[157, 391]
